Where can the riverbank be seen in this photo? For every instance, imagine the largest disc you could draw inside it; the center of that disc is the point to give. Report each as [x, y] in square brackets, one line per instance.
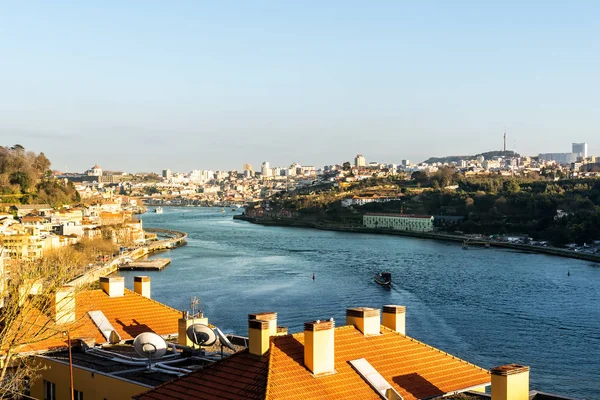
[174, 239]
[469, 240]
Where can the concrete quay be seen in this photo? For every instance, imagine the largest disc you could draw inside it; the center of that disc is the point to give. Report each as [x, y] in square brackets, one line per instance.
[174, 239]
[156, 264]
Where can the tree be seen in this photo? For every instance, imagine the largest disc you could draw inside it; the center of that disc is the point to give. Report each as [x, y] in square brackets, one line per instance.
[347, 166]
[29, 306]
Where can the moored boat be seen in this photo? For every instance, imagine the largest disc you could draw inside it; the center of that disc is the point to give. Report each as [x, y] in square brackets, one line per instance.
[158, 210]
[384, 279]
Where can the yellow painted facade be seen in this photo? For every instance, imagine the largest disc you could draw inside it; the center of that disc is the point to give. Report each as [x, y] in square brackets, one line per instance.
[94, 385]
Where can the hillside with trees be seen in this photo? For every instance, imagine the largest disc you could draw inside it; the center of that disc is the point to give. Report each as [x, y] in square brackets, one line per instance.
[487, 155]
[25, 178]
[559, 211]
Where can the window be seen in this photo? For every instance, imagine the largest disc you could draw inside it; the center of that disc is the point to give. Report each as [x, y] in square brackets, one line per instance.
[78, 395]
[49, 390]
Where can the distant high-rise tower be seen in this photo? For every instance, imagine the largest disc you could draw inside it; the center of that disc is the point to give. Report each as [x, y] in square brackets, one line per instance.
[265, 169]
[359, 161]
[580, 149]
[166, 173]
[504, 138]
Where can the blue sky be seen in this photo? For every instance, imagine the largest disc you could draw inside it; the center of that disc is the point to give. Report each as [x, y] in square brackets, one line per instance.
[147, 85]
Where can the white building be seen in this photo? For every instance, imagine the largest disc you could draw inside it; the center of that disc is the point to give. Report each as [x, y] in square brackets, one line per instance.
[265, 169]
[359, 161]
[166, 173]
[559, 158]
[94, 171]
[361, 201]
[581, 149]
[401, 222]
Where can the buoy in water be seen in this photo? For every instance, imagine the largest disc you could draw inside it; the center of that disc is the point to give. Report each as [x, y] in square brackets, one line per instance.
[313, 276]
[568, 273]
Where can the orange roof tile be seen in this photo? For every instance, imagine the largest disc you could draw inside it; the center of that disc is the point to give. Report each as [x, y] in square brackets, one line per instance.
[242, 376]
[130, 315]
[414, 369]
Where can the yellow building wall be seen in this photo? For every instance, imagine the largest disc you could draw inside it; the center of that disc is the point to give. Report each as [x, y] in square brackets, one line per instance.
[94, 385]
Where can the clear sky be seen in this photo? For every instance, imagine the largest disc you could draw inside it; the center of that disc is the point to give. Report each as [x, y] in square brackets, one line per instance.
[147, 85]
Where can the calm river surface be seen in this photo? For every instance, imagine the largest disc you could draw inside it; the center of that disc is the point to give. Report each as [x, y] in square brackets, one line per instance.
[487, 306]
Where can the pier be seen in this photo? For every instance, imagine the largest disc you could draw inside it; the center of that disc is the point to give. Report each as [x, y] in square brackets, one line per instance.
[173, 240]
[156, 264]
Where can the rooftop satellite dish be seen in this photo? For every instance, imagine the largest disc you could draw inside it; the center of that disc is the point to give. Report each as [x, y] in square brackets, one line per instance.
[150, 345]
[201, 335]
[223, 339]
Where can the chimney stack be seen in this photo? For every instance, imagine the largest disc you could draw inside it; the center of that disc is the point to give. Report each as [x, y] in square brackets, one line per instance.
[141, 285]
[270, 317]
[510, 382]
[319, 347]
[365, 319]
[258, 336]
[64, 305]
[113, 286]
[184, 323]
[261, 326]
[394, 318]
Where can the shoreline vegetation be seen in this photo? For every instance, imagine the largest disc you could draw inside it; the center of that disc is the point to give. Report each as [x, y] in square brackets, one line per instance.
[469, 239]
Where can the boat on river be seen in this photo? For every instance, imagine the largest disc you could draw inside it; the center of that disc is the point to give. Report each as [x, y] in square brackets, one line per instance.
[158, 210]
[384, 279]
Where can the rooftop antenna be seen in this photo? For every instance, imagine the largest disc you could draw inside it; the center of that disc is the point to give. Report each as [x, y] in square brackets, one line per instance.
[194, 305]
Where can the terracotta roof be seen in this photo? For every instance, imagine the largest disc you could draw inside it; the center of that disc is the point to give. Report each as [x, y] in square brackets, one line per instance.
[241, 376]
[130, 315]
[414, 369]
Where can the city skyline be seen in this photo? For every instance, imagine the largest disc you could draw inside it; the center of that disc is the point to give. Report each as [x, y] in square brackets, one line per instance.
[140, 86]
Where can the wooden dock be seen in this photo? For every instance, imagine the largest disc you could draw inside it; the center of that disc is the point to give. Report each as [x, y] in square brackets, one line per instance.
[156, 264]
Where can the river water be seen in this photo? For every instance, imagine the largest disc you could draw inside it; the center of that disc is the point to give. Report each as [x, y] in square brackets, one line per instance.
[487, 306]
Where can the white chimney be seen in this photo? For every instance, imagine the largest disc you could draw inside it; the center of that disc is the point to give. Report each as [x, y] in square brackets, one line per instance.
[141, 285]
[394, 317]
[114, 286]
[365, 319]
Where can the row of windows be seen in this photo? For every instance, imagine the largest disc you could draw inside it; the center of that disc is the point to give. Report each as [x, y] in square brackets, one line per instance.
[50, 392]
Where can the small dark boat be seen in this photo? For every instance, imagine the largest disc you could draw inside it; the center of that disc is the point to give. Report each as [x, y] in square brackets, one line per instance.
[384, 279]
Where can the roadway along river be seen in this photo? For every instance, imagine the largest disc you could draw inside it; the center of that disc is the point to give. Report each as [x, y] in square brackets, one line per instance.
[487, 306]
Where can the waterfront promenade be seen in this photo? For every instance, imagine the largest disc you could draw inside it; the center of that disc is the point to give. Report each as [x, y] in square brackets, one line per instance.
[172, 240]
[470, 240]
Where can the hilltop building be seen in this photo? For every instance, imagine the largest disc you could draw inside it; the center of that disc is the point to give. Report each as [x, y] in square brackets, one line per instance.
[559, 158]
[359, 161]
[94, 171]
[581, 149]
[265, 169]
[166, 174]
